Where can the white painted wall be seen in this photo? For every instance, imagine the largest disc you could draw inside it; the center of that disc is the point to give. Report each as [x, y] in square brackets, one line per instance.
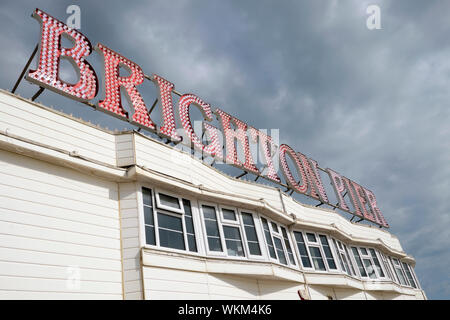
[53, 219]
[164, 283]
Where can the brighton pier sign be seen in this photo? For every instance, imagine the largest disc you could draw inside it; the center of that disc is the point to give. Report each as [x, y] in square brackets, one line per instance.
[351, 197]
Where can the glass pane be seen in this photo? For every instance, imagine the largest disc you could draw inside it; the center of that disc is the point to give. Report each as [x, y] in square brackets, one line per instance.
[280, 251]
[169, 222]
[364, 251]
[234, 248]
[171, 239]
[362, 271]
[327, 250]
[189, 224]
[191, 242]
[409, 275]
[248, 219]
[187, 207]
[231, 233]
[288, 246]
[229, 214]
[169, 201]
[268, 238]
[147, 196]
[317, 258]
[209, 212]
[211, 228]
[250, 232]
[274, 227]
[214, 244]
[311, 237]
[377, 263]
[148, 216]
[150, 235]
[349, 260]
[233, 241]
[304, 255]
[370, 269]
[254, 248]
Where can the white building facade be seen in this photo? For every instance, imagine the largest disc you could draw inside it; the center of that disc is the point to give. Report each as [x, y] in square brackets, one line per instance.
[86, 213]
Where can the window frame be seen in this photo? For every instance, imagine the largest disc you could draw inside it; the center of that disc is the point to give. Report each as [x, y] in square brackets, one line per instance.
[401, 271]
[177, 214]
[232, 223]
[299, 257]
[205, 236]
[259, 234]
[159, 205]
[402, 263]
[348, 258]
[279, 236]
[317, 244]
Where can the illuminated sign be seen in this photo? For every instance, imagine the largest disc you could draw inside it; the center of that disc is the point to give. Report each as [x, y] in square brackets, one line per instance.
[362, 201]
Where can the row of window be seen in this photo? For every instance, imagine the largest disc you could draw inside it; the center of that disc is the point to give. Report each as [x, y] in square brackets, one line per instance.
[240, 234]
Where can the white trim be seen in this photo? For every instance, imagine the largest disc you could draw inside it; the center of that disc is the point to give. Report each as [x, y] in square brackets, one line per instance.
[159, 205]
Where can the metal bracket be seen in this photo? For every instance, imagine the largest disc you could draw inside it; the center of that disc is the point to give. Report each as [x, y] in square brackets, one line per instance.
[241, 175]
[25, 69]
[37, 94]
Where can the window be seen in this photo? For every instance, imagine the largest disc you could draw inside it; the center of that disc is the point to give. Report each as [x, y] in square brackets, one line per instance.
[327, 250]
[359, 263]
[387, 267]
[302, 250]
[368, 263]
[278, 242]
[375, 260]
[399, 272]
[230, 232]
[268, 237]
[288, 246]
[212, 228]
[170, 224]
[409, 275]
[344, 258]
[315, 251]
[250, 234]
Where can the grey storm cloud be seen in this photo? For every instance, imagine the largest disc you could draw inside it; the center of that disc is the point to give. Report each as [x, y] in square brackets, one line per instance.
[371, 104]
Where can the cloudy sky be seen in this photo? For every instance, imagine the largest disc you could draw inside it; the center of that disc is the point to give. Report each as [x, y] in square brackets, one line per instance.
[371, 104]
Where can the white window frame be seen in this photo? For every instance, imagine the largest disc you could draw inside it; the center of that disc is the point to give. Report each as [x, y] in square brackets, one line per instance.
[176, 214]
[299, 258]
[222, 253]
[406, 275]
[388, 267]
[380, 261]
[259, 234]
[159, 205]
[368, 256]
[401, 270]
[279, 235]
[348, 256]
[232, 223]
[317, 244]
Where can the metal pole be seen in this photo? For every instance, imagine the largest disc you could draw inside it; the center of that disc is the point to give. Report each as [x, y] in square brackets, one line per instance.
[37, 94]
[25, 68]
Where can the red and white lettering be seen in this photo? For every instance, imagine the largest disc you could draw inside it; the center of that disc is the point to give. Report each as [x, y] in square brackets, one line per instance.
[113, 82]
[374, 208]
[339, 188]
[47, 73]
[316, 189]
[240, 134]
[214, 147]
[168, 128]
[292, 183]
[267, 147]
